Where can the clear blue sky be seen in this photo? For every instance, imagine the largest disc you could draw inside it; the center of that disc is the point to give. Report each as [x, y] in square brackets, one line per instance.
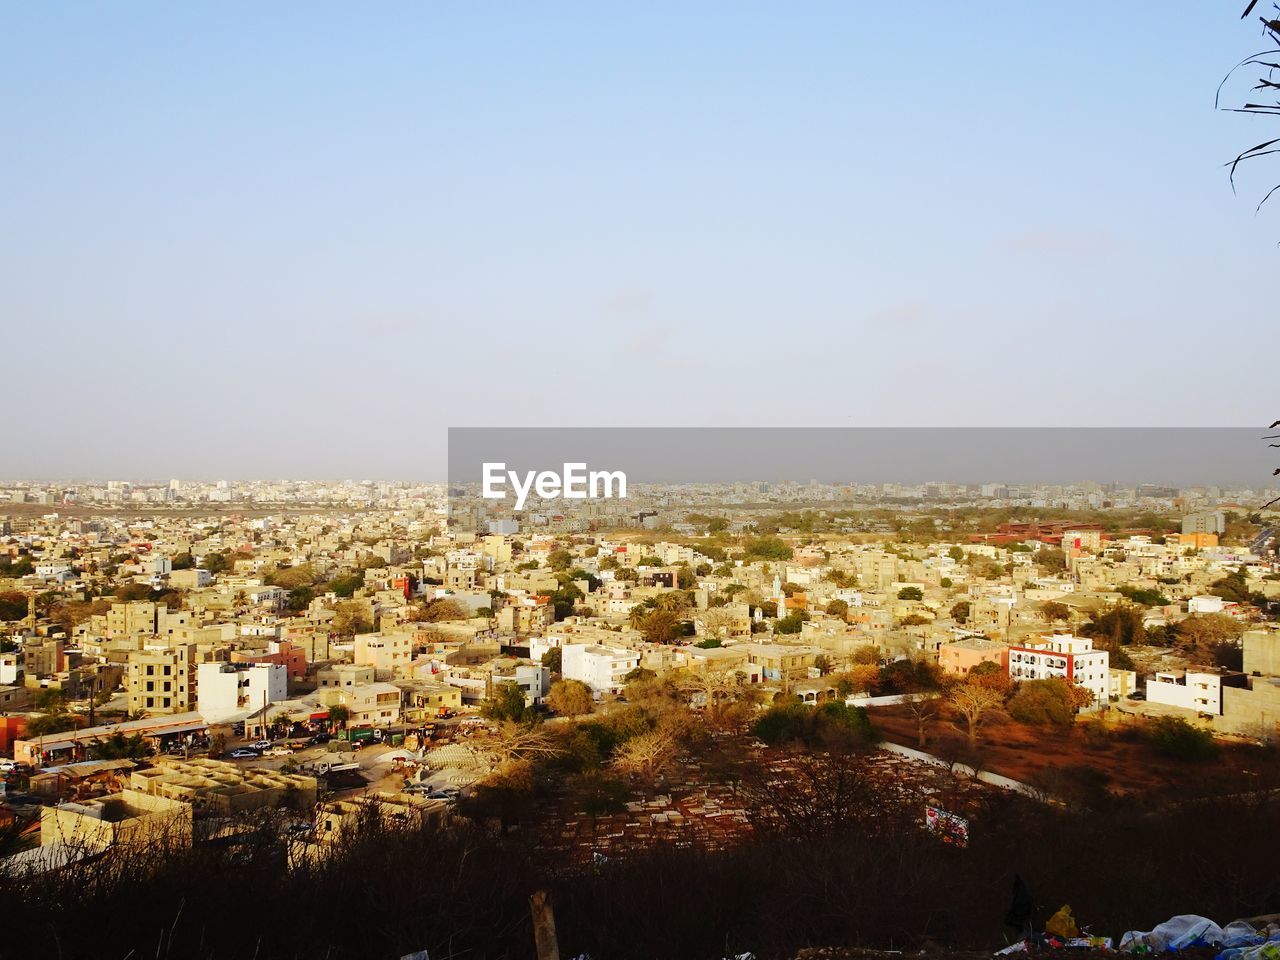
[303, 238]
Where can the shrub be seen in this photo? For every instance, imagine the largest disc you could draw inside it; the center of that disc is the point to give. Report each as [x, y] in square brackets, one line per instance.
[1041, 703]
[1174, 737]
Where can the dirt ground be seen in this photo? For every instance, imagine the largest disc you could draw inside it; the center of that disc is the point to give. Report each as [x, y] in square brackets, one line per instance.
[1023, 752]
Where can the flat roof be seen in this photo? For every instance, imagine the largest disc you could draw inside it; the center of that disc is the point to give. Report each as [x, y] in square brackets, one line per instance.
[151, 726]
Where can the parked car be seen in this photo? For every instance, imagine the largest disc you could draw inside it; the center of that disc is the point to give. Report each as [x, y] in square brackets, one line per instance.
[8, 766]
[320, 738]
[243, 753]
[261, 745]
[278, 752]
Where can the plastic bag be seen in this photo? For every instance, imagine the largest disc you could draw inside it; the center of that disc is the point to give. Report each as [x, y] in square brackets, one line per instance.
[1062, 925]
[1176, 933]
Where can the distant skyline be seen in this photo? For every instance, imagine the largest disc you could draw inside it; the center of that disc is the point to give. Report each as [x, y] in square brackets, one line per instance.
[305, 239]
[1177, 457]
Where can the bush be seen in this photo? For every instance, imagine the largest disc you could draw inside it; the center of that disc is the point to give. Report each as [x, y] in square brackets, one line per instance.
[1041, 703]
[833, 724]
[1174, 737]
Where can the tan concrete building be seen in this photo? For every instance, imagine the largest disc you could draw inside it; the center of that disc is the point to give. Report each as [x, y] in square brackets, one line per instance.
[162, 681]
[223, 788]
[121, 818]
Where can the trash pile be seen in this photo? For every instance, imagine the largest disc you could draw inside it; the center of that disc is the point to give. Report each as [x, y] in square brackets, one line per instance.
[1238, 940]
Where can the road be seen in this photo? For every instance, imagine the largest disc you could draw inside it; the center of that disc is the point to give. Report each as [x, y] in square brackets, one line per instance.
[1262, 541]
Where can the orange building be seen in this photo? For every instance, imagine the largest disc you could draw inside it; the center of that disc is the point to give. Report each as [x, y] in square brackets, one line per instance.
[961, 656]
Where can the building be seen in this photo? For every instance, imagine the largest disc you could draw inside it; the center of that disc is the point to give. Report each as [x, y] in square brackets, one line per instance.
[370, 704]
[222, 788]
[1198, 689]
[342, 675]
[137, 618]
[1206, 604]
[1210, 521]
[603, 669]
[387, 653]
[128, 817]
[1066, 656]
[229, 691]
[336, 820]
[290, 655]
[1262, 651]
[160, 732]
[959, 657]
[162, 680]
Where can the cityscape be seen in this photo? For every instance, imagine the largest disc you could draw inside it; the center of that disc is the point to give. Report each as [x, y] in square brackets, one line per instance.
[667, 481]
[296, 675]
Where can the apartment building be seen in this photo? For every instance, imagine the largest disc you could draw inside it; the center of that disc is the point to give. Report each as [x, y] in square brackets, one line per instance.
[228, 691]
[370, 704]
[131, 619]
[1063, 655]
[388, 653]
[959, 657]
[603, 669]
[162, 680]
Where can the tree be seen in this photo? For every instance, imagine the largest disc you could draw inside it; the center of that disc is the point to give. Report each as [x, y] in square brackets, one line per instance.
[511, 742]
[1116, 627]
[1053, 610]
[1265, 61]
[217, 563]
[767, 548]
[441, 608]
[570, 698]
[865, 677]
[559, 559]
[910, 593]
[838, 608]
[339, 715]
[553, 660]
[351, 617]
[960, 611]
[924, 709]
[993, 675]
[45, 724]
[975, 703]
[507, 702]
[660, 626]
[1202, 633]
[823, 664]
[647, 756]
[1042, 703]
[182, 561]
[119, 747]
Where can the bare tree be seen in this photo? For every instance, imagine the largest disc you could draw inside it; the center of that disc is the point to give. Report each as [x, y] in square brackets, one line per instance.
[975, 704]
[648, 755]
[924, 709]
[510, 741]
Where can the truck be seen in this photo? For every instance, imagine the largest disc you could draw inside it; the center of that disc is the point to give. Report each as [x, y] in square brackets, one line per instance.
[362, 735]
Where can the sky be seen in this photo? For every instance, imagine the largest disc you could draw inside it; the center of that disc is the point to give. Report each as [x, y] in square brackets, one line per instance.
[304, 239]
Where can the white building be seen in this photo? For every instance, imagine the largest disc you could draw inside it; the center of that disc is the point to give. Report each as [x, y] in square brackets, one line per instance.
[228, 690]
[1198, 689]
[603, 669]
[1064, 655]
[1207, 604]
